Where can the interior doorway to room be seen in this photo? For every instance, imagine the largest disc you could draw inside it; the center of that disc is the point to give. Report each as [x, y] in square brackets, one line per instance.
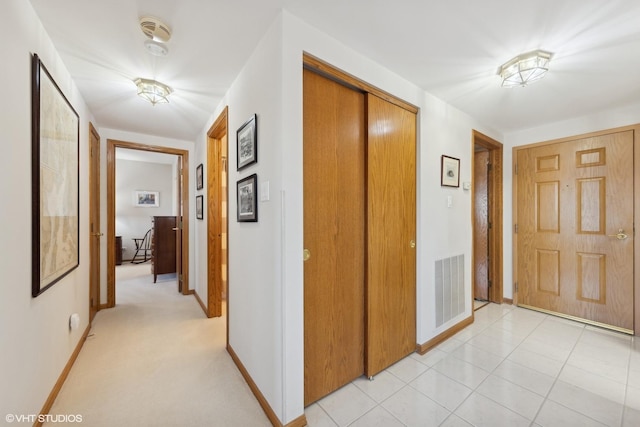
[217, 215]
[177, 232]
[487, 220]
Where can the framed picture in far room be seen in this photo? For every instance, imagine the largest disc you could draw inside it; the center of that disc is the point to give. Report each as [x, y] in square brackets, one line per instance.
[200, 207]
[247, 143]
[450, 172]
[247, 199]
[199, 177]
[146, 199]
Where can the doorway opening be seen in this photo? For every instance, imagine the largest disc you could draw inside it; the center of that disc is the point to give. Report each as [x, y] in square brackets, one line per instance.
[486, 275]
[180, 229]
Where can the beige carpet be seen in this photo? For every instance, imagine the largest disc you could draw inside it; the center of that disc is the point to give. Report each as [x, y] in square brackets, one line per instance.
[156, 360]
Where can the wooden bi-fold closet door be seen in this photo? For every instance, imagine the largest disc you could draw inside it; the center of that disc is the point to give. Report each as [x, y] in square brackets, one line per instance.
[359, 224]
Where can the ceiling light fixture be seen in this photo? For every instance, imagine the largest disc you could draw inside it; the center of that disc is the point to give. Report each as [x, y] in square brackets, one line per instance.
[153, 91]
[525, 68]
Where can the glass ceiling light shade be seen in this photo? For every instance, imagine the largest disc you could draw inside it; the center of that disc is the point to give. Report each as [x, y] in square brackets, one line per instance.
[153, 91]
[525, 68]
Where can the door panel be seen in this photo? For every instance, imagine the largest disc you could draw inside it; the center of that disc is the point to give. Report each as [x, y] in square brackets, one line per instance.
[334, 233]
[573, 200]
[481, 225]
[94, 222]
[178, 227]
[391, 234]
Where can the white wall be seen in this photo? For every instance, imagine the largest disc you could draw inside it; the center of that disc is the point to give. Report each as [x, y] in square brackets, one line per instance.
[265, 269]
[34, 334]
[255, 270]
[442, 231]
[605, 120]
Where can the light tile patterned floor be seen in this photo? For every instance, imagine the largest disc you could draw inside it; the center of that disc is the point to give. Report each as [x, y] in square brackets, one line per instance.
[512, 367]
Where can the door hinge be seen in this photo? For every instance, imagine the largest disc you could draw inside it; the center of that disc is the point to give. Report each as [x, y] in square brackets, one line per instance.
[180, 277]
[489, 167]
[516, 169]
[489, 283]
[490, 225]
[516, 285]
[515, 227]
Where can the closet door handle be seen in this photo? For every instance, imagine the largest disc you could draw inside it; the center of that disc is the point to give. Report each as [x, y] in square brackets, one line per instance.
[306, 254]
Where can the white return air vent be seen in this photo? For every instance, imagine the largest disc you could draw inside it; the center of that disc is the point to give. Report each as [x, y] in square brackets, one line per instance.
[450, 298]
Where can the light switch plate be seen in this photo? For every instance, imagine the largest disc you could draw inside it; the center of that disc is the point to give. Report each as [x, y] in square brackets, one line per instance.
[264, 191]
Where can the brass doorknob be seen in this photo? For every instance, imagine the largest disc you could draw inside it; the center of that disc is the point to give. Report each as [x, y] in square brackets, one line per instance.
[620, 236]
[97, 234]
[412, 243]
[306, 254]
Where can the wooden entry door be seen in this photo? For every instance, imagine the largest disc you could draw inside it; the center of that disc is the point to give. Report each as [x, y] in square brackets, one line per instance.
[391, 234]
[575, 229]
[334, 235]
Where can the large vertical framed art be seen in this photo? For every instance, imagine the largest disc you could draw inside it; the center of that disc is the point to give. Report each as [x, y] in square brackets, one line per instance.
[55, 130]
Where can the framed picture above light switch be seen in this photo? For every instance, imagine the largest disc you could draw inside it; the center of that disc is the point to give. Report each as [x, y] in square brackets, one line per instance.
[450, 172]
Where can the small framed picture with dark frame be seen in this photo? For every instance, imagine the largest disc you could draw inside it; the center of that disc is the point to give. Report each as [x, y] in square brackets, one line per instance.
[200, 207]
[199, 177]
[247, 143]
[450, 172]
[247, 199]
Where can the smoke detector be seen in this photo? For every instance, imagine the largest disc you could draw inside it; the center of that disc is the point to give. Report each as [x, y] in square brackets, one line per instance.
[155, 29]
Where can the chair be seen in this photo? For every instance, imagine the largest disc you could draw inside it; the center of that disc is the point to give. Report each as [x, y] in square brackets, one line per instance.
[143, 248]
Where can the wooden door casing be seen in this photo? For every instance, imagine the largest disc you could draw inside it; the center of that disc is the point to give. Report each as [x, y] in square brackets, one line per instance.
[481, 225]
[334, 233]
[391, 234]
[178, 226]
[572, 199]
[217, 207]
[94, 222]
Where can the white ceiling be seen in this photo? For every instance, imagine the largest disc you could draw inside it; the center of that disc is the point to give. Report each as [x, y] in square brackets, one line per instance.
[451, 49]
